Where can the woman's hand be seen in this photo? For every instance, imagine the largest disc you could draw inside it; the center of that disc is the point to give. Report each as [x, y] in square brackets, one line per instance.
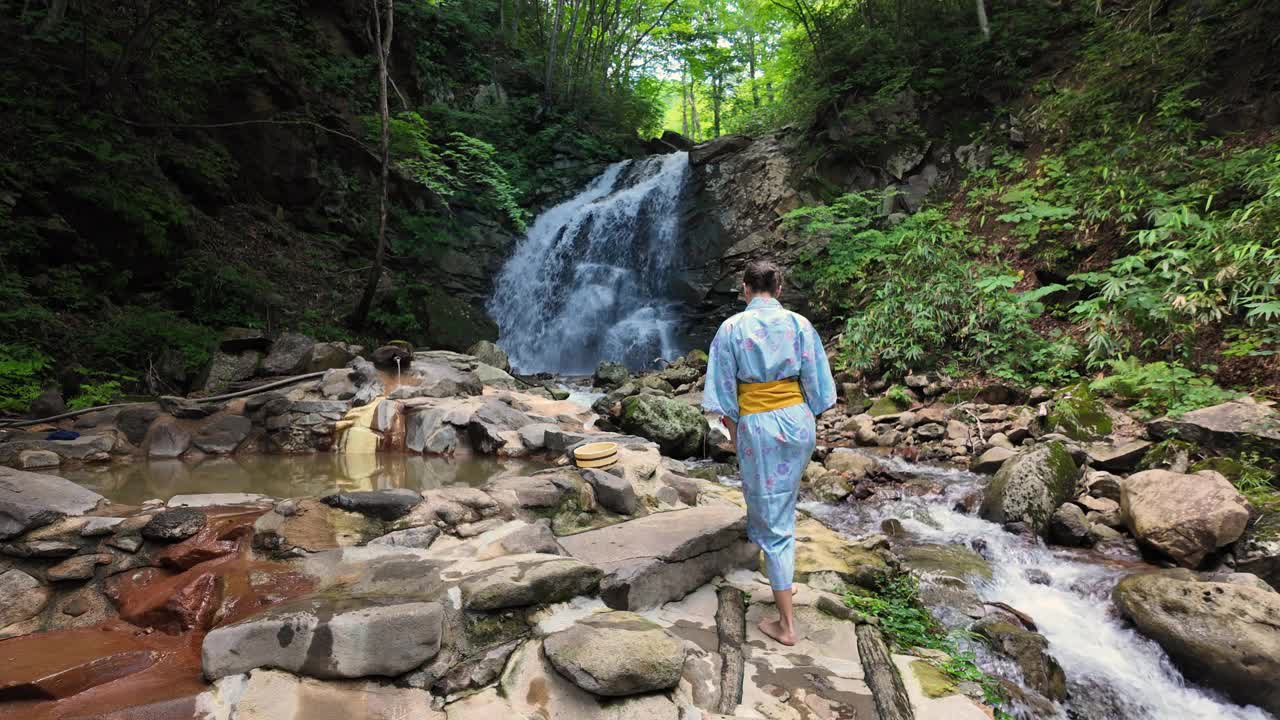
[732, 427]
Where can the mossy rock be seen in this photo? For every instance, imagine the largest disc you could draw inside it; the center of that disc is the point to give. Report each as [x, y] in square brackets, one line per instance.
[1169, 454]
[485, 630]
[677, 427]
[1078, 415]
[653, 382]
[885, 405]
[1030, 486]
[954, 561]
[1229, 468]
[697, 359]
[933, 682]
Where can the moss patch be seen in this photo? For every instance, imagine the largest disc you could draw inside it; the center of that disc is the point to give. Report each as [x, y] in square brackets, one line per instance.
[1078, 415]
[933, 681]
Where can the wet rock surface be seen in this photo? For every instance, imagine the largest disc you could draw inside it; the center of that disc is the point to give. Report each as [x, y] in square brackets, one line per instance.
[1226, 634]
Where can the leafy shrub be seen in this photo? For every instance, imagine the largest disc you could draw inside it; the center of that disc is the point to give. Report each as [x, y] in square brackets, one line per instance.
[23, 370]
[138, 336]
[105, 390]
[1160, 387]
[914, 296]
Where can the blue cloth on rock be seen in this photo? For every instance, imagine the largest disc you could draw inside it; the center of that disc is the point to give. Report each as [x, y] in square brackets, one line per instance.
[761, 344]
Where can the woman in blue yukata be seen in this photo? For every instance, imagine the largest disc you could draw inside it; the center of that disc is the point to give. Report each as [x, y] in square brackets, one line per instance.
[768, 376]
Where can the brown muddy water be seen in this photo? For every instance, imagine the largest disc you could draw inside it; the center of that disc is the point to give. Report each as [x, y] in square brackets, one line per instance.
[284, 476]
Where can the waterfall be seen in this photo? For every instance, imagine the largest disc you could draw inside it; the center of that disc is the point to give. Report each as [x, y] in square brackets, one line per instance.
[591, 280]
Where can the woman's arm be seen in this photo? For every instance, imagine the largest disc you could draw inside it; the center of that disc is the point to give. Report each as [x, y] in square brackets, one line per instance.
[815, 371]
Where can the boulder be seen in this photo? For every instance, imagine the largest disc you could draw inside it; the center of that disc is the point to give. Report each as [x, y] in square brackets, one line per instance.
[831, 487]
[48, 404]
[1224, 635]
[851, 463]
[663, 556]
[290, 354]
[167, 439]
[1069, 527]
[1117, 458]
[616, 654]
[534, 436]
[1030, 486]
[174, 524]
[991, 459]
[490, 354]
[610, 375]
[888, 405]
[1078, 415]
[328, 637]
[1029, 651]
[21, 597]
[1233, 426]
[1186, 517]
[427, 431]
[331, 356]
[390, 504]
[134, 421]
[31, 500]
[679, 429]
[614, 493]
[238, 339]
[223, 434]
[230, 367]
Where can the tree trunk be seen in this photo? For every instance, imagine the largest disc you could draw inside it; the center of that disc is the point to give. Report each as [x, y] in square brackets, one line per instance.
[57, 11]
[684, 105]
[751, 64]
[717, 90]
[693, 110]
[548, 85]
[982, 19]
[382, 41]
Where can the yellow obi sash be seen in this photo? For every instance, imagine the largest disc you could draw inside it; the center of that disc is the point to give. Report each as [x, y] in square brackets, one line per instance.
[762, 397]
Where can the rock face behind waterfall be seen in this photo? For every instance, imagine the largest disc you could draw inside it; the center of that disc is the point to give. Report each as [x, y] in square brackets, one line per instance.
[1226, 635]
[1030, 486]
[592, 280]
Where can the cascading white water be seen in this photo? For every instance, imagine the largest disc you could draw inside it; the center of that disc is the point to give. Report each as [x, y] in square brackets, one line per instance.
[1112, 671]
[591, 279]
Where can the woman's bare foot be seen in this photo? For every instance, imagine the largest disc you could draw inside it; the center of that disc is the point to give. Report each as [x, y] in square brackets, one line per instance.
[774, 629]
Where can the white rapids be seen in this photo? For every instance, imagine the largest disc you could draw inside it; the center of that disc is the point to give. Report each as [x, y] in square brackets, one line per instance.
[1113, 673]
[591, 279]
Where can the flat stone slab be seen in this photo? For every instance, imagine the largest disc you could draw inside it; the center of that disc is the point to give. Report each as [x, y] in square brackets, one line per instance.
[217, 499]
[514, 581]
[663, 557]
[276, 695]
[1119, 458]
[328, 638]
[29, 500]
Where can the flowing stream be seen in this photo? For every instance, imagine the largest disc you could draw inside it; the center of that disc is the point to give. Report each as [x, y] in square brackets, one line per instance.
[1113, 673]
[591, 280]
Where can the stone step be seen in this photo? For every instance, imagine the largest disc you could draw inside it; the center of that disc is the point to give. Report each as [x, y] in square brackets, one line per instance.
[663, 557]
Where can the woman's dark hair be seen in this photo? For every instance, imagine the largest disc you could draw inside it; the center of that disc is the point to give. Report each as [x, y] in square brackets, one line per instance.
[763, 276]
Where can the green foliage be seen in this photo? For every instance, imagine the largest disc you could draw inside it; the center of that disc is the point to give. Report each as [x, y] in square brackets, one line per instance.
[1159, 387]
[105, 389]
[137, 337]
[909, 624]
[1258, 479]
[23, 371]
[915, 296]
[462, 166]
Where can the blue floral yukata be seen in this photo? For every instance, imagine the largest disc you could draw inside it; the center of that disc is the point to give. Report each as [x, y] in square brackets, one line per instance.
[765, 343]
